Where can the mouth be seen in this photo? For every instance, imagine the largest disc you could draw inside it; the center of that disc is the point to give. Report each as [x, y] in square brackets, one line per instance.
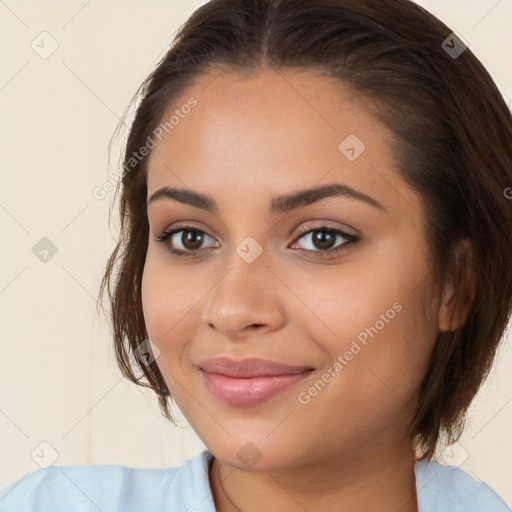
[247, 382]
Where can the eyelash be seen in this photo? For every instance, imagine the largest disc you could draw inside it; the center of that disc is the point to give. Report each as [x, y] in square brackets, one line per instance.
[352, 240]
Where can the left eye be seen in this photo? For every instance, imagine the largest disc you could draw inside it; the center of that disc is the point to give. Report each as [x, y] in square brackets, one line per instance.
[321, 239]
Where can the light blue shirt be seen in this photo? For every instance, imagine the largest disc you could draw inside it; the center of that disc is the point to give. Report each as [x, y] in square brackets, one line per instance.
[185, 488]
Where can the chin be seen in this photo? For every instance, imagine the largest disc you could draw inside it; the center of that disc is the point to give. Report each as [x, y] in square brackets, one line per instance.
[254, 452]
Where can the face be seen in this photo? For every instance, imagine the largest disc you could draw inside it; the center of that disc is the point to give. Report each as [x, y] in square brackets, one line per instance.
[332, 283]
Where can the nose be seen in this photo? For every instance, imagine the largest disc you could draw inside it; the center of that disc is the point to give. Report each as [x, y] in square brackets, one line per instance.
[243, 301]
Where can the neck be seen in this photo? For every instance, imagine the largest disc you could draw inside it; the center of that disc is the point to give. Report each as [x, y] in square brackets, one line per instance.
[353, 480]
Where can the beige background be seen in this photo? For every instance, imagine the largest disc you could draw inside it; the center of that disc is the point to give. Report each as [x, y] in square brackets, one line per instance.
[59, 382]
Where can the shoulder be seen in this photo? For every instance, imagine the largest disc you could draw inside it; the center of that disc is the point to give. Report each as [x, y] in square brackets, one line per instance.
[448, 488]
[109, 488]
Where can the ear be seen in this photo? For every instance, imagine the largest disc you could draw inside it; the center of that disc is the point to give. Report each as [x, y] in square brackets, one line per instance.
[453, 311]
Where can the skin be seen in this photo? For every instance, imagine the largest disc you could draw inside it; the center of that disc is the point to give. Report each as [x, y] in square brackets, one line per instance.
[248, 140]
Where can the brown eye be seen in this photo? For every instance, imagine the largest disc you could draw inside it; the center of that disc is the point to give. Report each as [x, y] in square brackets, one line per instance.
[322, 240]
[191, 239]
[184, 241]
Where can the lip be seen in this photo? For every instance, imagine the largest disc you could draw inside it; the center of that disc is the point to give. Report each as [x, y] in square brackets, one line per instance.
[249, 367]
[250, 381]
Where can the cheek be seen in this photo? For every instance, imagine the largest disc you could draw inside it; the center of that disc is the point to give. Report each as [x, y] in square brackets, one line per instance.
[382, 352]
[167, 310]
[163, 299]
[153, 297]
[370, 313]
[339, 303]
[171, 304]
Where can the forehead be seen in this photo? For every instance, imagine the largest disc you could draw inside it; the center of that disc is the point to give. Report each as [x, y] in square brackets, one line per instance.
[271, 131]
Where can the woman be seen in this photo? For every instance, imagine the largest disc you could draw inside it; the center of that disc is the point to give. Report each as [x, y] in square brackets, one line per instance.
[313, 262]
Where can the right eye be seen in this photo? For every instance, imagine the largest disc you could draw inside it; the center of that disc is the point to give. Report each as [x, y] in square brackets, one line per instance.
[190, 241]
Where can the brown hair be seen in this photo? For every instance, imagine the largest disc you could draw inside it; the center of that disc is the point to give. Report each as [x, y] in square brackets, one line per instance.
[452, 132]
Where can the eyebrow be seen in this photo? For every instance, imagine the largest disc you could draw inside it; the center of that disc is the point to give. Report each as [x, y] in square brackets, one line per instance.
[279, 204]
